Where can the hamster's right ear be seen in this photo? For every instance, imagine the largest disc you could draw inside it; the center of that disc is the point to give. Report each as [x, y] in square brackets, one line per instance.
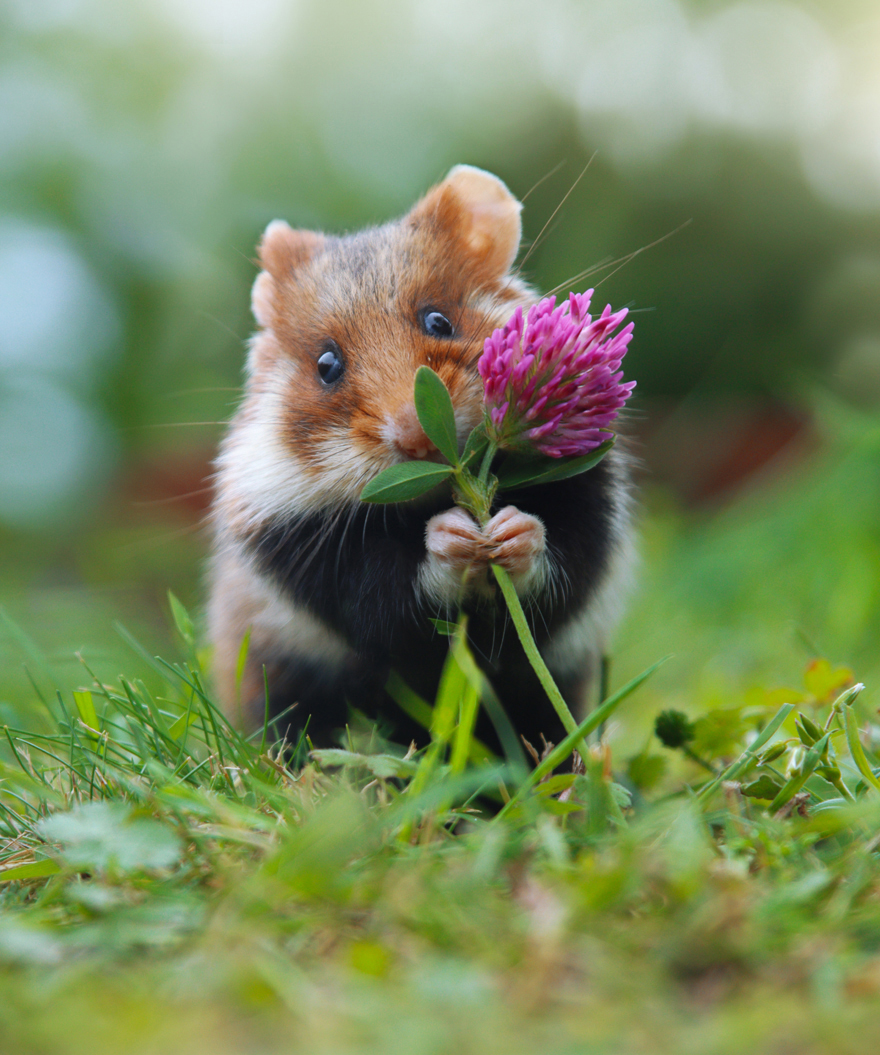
[282, 251]
[479, 212]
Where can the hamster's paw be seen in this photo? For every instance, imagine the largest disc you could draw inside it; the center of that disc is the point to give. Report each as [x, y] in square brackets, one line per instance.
[454, 539]
[457, 555]
[517, 541]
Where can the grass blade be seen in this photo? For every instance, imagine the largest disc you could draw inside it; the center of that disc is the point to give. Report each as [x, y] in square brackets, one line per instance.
[854, 743]
[562, 750]
[742, 763]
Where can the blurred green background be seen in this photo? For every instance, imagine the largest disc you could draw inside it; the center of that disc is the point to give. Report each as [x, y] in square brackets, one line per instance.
[144, 145]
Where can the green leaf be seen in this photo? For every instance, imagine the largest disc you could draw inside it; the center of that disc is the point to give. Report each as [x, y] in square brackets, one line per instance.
[98, 836]
[562, 750]
[383, 766]
[741, 764]
[400, 483]
[526, 471]
[30, 870]
[180, 726]
[443, 626]
[823, 681]
[241, 662]
[853, 741]
[181, 619]
[807, 730]
[475, 444]
[86, 707]
[560, 809]
[436, 415]
[765, 787]
[797, 780]
[555, 785]
[409, 702]
[646, 770]
[462, 743]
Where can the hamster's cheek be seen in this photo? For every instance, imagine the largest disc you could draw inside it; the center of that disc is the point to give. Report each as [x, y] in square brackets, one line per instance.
[370, 442]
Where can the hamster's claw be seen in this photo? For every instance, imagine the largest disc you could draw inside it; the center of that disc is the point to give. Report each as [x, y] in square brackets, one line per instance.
[454, 538]
[516, 541]
[513, 539]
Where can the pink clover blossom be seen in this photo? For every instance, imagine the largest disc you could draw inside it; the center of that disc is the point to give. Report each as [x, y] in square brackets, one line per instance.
[552, 381]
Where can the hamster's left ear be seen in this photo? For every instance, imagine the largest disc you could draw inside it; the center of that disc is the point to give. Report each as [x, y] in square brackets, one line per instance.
[282, 252]
[478, 211]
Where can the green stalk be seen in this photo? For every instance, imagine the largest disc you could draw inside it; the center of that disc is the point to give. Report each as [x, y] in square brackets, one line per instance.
[559, 753]
[735, 769]
[851, 727]
[486, 464]
[535, 658]
[838, 783]
[475, 493]
[797, 780]
[694, 757]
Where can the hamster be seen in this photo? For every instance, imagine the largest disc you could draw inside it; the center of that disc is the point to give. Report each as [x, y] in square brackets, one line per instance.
[335, 593]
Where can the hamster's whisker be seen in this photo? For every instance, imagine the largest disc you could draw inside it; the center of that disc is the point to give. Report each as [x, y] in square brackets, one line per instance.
[340, 545]
[223, 326]
[147, 503]
[553, 214]
[180, 392]
[364, 532]
[171, 425]
[162, 538]
[543, 179]
[534, 607]
[620, 262]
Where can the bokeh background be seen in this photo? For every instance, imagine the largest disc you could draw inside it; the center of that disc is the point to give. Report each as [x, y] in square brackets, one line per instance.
[144, 145]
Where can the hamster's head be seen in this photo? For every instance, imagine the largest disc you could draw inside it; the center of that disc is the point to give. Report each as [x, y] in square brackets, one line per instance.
[346, 322]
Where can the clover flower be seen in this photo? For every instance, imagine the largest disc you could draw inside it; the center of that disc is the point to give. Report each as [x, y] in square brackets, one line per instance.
[674, 729]
[552, 381]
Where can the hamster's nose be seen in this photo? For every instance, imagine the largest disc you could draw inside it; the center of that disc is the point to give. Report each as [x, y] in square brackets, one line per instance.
[407, 435]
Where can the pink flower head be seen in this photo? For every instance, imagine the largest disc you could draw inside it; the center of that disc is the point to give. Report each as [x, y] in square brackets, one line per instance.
[553, 381]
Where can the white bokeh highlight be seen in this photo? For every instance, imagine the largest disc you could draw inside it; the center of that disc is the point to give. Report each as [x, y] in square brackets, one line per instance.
[57, 330]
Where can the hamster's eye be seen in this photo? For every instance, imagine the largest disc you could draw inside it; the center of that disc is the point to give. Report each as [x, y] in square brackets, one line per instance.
[436, 325]
[330, 364]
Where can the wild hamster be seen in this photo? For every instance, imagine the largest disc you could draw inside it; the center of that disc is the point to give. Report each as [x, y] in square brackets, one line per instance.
[334, 592]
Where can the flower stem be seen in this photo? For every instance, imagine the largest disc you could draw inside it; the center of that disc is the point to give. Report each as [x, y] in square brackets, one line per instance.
[475, 493]
[486, 463]
[694, 757]
[534, 656]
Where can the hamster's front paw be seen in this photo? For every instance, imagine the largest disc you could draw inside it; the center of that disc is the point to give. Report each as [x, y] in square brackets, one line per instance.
[459, 553]
[517, 542]
[454, 540]
[457, 558]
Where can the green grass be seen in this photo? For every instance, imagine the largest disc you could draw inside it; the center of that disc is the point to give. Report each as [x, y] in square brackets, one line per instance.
[168, 886]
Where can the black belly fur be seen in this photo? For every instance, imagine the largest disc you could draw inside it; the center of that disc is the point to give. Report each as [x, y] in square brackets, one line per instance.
[357, 573]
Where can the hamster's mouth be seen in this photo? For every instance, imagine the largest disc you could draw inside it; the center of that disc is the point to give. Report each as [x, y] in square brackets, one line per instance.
[405, 439]
[421, 454]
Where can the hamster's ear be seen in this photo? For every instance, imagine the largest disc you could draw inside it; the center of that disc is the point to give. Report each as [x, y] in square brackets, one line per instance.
[478, 210]
[282, 251]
